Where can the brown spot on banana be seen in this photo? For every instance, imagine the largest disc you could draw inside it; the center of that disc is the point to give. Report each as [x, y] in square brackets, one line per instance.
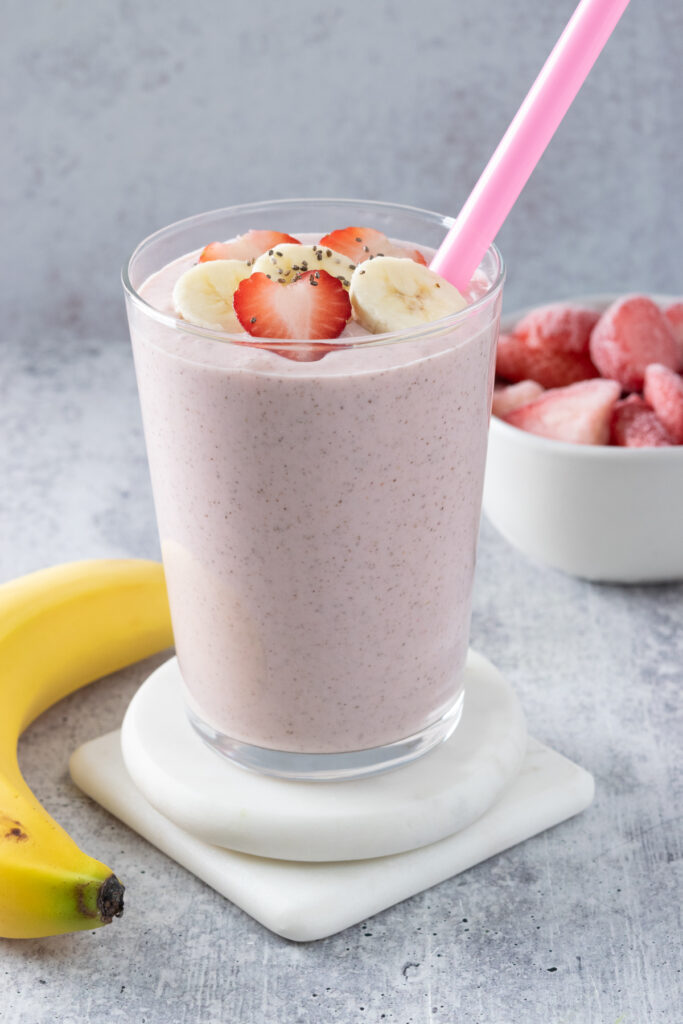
[16, 833]
[12, 829]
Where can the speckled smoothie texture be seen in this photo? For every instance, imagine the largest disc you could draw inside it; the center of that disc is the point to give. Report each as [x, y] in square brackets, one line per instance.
[318, 524]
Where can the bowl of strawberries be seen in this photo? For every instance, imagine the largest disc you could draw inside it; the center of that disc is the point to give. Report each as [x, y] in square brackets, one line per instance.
[585, 460]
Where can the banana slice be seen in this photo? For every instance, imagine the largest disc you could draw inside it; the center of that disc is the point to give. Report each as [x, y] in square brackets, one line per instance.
[390, 294]
[286, 261]
[203, 295]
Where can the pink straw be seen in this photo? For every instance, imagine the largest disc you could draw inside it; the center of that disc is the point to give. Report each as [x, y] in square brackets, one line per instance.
[523, 144]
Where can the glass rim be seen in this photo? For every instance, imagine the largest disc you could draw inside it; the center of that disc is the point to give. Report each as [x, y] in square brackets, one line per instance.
[444, 324]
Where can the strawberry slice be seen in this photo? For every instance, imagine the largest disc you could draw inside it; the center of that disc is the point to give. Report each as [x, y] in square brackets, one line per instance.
[516, 361]
[246, 247]
[629, 336]
[664, 392]
[361, 243]
[635, 425]
[313, 306]
[674, 314]
[514, 396]
[579, 413]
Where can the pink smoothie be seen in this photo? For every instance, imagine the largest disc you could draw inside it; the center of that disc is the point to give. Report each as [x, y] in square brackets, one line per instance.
[318, 523]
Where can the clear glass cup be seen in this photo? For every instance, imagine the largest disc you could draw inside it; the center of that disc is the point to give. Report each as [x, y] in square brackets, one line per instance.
[318, 509]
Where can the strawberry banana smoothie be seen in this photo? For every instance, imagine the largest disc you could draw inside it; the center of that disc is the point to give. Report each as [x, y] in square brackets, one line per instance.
[318, 498]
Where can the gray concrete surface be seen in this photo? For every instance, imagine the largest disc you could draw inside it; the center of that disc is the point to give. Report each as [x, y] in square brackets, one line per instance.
[120, 117]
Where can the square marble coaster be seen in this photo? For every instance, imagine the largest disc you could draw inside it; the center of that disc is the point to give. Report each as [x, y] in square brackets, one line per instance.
[310, 901]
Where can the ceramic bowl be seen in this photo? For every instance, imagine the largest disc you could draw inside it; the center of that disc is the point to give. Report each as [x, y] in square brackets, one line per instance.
[602, 513]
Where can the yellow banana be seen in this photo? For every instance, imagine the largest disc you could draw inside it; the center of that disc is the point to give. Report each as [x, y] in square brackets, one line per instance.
[61, 628]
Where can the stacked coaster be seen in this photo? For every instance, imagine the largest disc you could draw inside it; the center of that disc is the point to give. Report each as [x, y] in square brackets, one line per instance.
[308, 859]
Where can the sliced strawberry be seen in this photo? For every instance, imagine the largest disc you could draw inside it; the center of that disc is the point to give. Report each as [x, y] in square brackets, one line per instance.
[629, 336]
[216, 251]
[361, 243]
[246, 247]
[313, 306]
[674, 314]
[517, 361]
[664, 392]
[514, 396]
[579, 413]
[635, 425]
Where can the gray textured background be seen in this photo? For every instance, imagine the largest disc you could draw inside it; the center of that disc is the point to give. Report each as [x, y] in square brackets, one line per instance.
[122, 116]
[119, 117]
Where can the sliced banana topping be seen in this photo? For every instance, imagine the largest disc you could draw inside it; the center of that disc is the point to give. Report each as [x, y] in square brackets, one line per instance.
[203, 295]
[286, 261]
[391, 294]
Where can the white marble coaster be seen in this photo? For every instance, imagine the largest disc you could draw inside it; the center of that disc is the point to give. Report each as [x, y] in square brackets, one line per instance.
[417, 804]
[310, 901]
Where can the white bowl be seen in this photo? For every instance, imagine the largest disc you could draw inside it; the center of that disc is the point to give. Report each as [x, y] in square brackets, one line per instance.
[602, 513]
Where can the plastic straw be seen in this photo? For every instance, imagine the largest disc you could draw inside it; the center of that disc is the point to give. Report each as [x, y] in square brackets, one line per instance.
[524, 142]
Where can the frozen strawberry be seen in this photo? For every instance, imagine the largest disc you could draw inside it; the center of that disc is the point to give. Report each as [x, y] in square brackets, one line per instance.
[674, 314]
[664, 392]
[635, 425]
[514, 396]
[517, 361]
[579, 413]
[314, 306]
[629, 336]
[361, 243]
[559, 327]
[246, 247]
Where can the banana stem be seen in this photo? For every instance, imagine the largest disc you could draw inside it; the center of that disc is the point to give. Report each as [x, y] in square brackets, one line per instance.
[110, 899]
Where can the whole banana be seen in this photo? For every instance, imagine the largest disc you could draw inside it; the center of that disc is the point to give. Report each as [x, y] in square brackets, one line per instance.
[60, 629]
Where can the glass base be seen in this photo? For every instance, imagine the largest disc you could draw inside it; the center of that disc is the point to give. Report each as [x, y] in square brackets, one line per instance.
[353, 764]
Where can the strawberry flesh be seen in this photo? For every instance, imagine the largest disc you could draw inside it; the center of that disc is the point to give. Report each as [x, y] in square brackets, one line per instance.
[629, 336]
[246, 247]
[664, 392]
[635, 425]
[362, 243]
[579, 413]
[315, 306]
